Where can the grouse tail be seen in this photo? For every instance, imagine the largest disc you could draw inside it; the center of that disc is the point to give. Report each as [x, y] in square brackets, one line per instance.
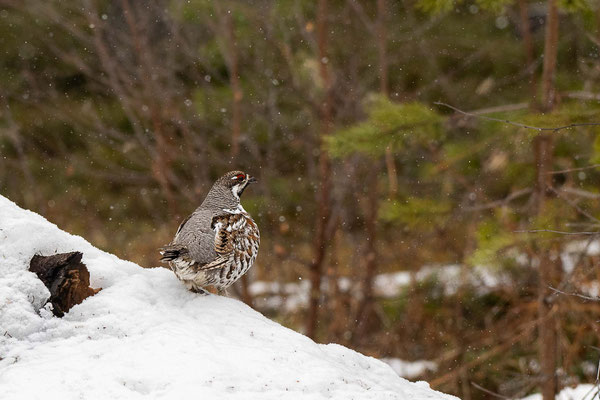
[172, 252]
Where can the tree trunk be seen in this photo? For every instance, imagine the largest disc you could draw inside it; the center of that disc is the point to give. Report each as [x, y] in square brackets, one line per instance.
[162, 160]
[527, 42]
[236, 118]
[234, 81]
[324, 171]
[550, 53]
[543, 147]
[366, 308]
[382, 47]
[384, 88]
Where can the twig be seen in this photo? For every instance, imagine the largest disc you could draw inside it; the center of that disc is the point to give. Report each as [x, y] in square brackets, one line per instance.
[520, 125]
[575, 206]
[574, 169]
[580, 95]
[490, 392]
[580, 193]
[497, 109]
[553, 231]
[501, 202]
[502, 346]
[583, 296]
[596, 384]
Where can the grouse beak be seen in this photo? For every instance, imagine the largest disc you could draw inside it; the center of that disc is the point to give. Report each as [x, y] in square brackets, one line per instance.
[252, 179]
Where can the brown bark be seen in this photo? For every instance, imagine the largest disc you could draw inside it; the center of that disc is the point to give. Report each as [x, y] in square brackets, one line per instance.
[550, 53]
[543, 148]
[547, 331]
[66, 277]
[324, 172]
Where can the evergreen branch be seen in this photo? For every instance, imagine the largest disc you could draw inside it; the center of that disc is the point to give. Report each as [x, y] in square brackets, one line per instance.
[520, 125]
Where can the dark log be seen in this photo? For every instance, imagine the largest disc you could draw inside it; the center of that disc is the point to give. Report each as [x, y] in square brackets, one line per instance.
[67, 278]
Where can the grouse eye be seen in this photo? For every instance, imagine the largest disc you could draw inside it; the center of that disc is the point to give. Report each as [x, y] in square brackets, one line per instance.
[240, 177]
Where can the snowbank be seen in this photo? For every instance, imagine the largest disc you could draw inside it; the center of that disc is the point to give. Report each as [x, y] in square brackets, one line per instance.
[581, 392]
[145, 336]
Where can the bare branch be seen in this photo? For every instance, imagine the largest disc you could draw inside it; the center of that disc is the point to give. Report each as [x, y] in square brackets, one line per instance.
[575, 206]
[580, 193]
[490, 392]
[581, 95]
[574, 169]
[520, 125]
[559, 232]
[501, 202]
[583, 296]
[364, 18]
[504, 108]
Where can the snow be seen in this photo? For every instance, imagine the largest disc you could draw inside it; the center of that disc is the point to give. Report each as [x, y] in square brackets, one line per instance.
[410, 369]
[145, 336]
[581, 392]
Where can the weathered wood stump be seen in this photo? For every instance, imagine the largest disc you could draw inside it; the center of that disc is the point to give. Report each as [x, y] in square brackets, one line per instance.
[67, 278]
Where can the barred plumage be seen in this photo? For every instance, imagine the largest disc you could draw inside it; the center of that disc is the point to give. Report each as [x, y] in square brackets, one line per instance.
[219, 242]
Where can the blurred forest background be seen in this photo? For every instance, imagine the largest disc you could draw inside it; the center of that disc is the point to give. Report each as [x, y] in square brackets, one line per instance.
[391, 222]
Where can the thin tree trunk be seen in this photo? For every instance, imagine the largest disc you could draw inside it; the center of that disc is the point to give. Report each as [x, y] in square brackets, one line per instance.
[337, 309]
[366, 307]
[324, 171]
[162, 160]
[462, 345]
[527, 42]
[234, 81]
[598, 26]
[236, 119]
[543, 147]
[382, 47]
[384, 87]
[392, 173]
[550, 54]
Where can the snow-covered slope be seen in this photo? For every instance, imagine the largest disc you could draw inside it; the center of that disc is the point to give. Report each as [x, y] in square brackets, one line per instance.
[145, 336]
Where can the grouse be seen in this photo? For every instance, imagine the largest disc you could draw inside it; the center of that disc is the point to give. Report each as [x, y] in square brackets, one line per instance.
[219, 242]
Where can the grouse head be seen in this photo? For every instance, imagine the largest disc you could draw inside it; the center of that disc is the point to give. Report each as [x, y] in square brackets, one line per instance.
[227, 190]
